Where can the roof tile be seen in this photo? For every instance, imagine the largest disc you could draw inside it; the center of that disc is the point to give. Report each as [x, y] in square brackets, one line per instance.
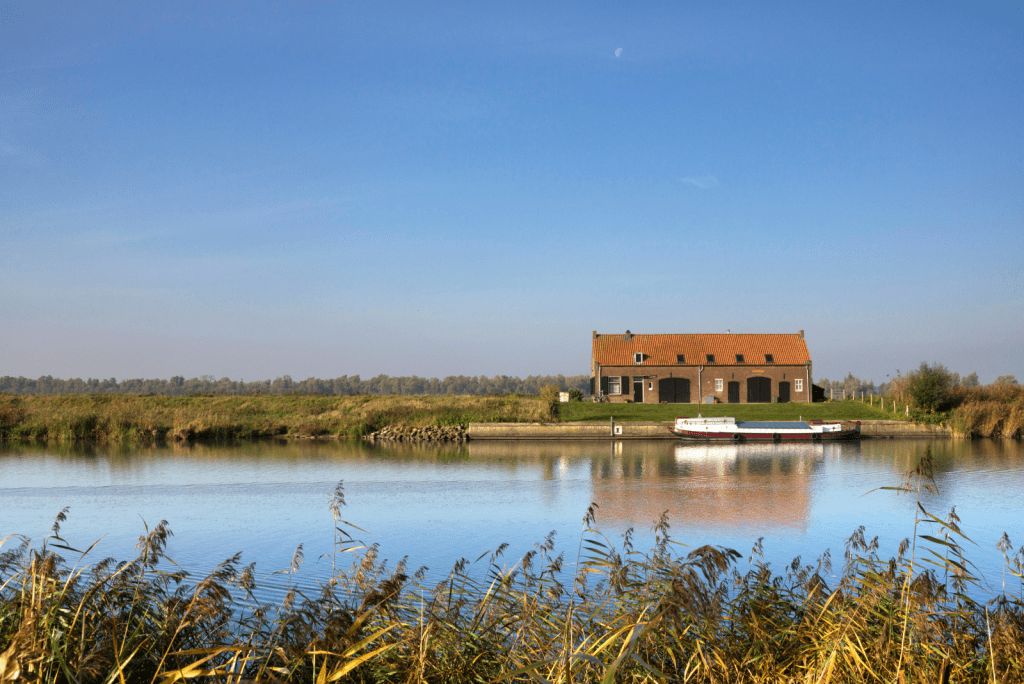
[661, 350]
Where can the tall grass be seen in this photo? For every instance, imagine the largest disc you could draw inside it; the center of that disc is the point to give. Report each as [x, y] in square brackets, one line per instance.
[607, 614]
[135, 418]
[995, 410]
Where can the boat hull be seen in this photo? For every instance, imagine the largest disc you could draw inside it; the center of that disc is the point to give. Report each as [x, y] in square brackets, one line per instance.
[731, 430]
[764, 437]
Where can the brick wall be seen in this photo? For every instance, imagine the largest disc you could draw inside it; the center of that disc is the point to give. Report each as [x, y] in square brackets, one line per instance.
[725, 373]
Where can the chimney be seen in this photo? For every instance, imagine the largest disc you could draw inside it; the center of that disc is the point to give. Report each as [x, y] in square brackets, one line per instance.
[628, 335]
[800, 333]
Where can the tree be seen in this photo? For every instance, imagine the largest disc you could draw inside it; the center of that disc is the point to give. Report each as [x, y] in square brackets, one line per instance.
[929, 386]
[1006, 380]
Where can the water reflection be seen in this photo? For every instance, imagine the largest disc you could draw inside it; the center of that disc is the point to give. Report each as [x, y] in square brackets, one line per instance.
[438, 504]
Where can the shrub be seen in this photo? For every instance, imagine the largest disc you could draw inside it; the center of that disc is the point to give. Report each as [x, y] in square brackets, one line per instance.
[929, 386]
[549, 393]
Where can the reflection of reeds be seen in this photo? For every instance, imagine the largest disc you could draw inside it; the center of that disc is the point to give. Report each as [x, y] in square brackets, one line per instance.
[616, 615]
[134, 418]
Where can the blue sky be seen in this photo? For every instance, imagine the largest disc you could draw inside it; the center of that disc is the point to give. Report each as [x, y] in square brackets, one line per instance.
[325, 188]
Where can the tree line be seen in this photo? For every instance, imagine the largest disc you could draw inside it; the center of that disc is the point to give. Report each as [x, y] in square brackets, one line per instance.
[379, 385]
[854, 386]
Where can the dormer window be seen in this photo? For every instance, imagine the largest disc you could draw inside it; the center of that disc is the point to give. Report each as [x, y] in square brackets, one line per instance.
[680, 358]
[768, 358]
[638, 358]
[710, 358]
[739, 358]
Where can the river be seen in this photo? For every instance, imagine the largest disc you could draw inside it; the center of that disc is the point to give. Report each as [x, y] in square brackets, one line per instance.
[435, 505]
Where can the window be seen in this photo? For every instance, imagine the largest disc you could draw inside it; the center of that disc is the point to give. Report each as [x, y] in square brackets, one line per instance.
[650, 385]
[768, 358]
[710, 357]
[799, 385]
[614, 385]
[638, 358]
[739, 358]
[718, 384]
[680, 358]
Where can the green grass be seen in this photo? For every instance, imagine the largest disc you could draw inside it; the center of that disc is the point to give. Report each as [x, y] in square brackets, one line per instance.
[839, 410]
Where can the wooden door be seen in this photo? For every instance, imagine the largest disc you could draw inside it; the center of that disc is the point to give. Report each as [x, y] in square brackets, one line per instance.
[759, 390]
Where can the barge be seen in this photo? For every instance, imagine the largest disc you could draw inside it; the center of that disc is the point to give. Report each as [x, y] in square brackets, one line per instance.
[732, 430]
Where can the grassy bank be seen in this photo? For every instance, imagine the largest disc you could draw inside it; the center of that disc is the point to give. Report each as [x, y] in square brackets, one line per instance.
[606, 614]
[589, 411]
[995, 410]
[108, 418]
[117, 418]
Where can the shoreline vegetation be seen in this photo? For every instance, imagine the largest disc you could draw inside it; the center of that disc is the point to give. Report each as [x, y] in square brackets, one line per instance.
[606, 613]
[987, 411]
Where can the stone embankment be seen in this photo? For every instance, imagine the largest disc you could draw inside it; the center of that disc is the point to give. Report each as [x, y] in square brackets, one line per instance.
[452, 433]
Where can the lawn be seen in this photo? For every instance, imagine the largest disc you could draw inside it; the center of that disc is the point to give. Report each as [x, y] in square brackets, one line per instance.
[838, 410]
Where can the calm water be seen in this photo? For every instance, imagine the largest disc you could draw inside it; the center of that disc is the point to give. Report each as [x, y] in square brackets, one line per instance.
[436, 505]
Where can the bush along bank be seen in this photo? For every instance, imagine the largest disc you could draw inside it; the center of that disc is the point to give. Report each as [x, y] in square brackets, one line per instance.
[433, 433]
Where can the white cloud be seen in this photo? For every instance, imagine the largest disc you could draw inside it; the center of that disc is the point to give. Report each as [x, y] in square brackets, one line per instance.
[618, 52]
[702, 182]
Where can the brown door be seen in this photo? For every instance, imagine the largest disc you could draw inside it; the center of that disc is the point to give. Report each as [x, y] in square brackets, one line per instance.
[638, 390]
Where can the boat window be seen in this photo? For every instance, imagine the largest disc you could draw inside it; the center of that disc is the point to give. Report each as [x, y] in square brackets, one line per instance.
[739, 358]
[768, 358]
[680, 358]
[710, 357]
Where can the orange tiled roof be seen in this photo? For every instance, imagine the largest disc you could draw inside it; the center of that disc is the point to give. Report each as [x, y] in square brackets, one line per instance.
[661, 350]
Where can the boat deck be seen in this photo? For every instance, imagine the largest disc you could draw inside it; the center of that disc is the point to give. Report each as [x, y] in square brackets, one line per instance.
[773, 424]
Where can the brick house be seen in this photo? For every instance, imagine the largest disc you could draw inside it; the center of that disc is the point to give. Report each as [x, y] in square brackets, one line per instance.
[735, 369]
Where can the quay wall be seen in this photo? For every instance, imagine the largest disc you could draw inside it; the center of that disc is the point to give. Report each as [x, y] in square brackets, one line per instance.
[659, 430]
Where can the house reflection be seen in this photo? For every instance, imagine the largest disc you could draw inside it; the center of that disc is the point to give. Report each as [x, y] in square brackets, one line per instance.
[725, 487]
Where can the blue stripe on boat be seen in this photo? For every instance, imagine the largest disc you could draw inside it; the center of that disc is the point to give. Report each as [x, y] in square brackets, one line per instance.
[772, 424]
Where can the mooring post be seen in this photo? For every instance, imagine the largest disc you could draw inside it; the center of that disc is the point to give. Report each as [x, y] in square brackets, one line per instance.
[612, 419]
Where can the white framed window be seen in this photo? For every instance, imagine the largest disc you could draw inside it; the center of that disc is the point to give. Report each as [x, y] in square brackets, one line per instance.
[638, 358]
[650, 385]
[718, 384]
[614, 384]
[799, 385]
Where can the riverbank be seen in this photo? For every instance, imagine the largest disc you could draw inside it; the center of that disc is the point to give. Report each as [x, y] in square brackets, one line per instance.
[103, 418]
[138, 418]
[640, 429]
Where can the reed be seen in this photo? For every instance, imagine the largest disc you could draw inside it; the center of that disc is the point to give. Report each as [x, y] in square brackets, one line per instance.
[138, 418]
[609, 614]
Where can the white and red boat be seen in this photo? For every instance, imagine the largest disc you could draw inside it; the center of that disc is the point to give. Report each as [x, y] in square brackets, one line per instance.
[730, 429]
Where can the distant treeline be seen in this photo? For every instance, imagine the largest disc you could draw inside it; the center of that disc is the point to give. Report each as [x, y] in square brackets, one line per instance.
[854, 386]
[380, 385]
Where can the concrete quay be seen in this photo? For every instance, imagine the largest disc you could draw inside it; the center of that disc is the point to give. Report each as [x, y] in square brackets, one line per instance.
[869, 429]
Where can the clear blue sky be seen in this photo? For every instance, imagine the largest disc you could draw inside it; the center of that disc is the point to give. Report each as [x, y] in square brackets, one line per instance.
[326, 188]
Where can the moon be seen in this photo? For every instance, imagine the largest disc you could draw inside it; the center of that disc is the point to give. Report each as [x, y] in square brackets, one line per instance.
[618, 52]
